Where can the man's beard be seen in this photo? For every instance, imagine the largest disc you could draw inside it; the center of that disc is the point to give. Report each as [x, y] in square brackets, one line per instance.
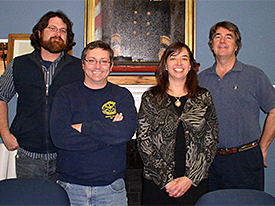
[53, 46]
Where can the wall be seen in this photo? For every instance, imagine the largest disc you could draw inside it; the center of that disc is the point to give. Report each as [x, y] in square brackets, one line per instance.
[255, 20]
[19, 16]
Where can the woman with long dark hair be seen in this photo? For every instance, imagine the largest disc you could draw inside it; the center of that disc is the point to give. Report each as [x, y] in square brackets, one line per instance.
[177, 132]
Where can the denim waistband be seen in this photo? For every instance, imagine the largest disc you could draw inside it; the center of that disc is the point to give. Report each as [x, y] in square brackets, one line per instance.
[34, 155]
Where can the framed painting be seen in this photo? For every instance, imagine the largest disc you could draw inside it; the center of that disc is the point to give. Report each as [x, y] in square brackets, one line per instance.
[115, 21]
[139, 31]
[19, 44]
[3, 55]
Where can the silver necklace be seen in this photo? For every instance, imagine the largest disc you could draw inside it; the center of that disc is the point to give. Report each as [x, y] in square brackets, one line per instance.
[178, 102]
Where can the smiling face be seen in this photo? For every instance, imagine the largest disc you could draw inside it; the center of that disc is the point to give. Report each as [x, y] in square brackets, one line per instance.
[96, 74]
[178, 65]
[224, 44]
[54, 37]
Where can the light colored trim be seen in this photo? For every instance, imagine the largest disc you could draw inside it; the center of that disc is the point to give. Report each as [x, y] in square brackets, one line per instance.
[190, 25]
[133, 80]
[89, 21]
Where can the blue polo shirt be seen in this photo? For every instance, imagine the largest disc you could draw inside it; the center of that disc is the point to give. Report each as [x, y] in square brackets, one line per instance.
[238, 98]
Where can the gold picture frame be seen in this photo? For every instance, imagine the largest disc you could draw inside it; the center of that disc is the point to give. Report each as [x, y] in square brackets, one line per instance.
[18, 44]
[190, 36]
[190, 23]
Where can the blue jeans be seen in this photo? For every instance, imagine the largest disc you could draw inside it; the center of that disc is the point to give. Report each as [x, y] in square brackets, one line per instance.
[241, 170]
[110, 195]
[28, 167]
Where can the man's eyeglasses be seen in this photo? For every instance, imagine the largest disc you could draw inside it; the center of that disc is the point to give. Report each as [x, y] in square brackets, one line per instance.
[103, 62]
[55, 29]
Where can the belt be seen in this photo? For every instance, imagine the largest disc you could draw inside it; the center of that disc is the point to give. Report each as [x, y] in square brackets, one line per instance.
[34, 155]
[238, 149]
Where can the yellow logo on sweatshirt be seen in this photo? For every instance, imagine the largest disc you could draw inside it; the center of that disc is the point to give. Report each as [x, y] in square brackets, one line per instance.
[109, 109]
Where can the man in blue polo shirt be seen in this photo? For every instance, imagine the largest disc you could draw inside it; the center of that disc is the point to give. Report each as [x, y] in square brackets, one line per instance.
[239, 92]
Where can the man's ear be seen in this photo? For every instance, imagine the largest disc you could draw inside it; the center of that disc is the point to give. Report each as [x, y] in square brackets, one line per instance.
[111, 67]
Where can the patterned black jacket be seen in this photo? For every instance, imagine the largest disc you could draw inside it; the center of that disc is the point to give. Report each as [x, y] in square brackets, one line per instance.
[156, 134]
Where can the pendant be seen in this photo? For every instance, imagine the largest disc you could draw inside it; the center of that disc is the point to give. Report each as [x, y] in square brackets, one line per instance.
[178, 102]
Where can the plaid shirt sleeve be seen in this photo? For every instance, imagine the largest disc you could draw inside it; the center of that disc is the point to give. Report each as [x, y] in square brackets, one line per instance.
[7, 88]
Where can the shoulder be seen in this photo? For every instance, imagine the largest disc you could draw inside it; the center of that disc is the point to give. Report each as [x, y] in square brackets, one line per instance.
[32, 55]
[207, 71]
[253, 74]
[148, 94]
[202, 93]
[22, 57]
[205, 76]
[204, 72]
[70, 89]
[28, 60]
[117, 87]
[203, 96]
[119, 90]
[253, 70]
[73, 58]
[148, 98]
[69, 58]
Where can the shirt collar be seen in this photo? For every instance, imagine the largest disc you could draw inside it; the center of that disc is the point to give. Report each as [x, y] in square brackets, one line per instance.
[55, 61]
[236, 68]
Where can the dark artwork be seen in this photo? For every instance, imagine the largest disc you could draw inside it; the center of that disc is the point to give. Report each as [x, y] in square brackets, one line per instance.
[3, 56]
[140, 30]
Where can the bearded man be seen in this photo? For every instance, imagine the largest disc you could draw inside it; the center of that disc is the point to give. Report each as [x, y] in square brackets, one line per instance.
[36, 77]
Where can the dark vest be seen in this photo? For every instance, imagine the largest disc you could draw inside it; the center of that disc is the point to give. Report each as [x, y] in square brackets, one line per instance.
[31, 123]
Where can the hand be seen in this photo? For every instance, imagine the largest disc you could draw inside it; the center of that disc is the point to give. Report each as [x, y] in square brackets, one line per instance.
[10, 142]
[178, 187]
[118, 117]
[77, 127]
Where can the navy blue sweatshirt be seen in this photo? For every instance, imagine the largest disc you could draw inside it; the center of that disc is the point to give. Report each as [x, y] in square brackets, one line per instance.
[96, 156]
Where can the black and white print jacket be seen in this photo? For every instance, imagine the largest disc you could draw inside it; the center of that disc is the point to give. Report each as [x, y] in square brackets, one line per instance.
[156, 134]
